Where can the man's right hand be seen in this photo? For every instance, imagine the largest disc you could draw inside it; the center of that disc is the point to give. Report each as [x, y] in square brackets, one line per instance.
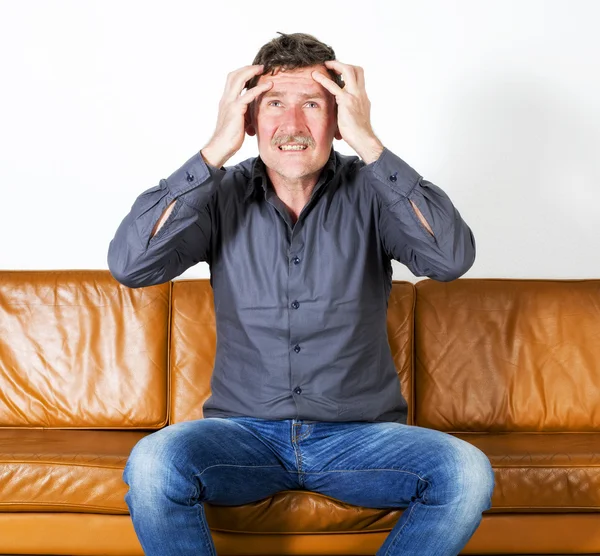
[230, 130]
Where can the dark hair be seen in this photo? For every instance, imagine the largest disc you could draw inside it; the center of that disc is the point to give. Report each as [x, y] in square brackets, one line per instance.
[289, 52]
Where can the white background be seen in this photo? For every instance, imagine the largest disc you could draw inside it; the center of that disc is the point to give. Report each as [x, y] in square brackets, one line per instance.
[496, 102]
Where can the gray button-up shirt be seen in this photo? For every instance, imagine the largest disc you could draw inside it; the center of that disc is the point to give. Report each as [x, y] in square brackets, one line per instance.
[301, 309]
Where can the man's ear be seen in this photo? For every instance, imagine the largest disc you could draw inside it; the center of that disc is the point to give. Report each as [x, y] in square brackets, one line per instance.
[249, 120]
[337, 133]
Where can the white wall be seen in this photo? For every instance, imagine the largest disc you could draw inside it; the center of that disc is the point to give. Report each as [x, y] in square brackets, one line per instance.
[497, 102]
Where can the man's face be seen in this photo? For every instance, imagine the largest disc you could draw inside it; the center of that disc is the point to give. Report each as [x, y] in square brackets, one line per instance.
[295, 111]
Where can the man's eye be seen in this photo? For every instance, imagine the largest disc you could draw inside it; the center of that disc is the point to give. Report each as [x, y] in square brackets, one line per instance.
[313, 104]
[274, 102]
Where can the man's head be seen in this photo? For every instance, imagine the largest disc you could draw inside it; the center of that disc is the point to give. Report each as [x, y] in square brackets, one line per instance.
[297, 112]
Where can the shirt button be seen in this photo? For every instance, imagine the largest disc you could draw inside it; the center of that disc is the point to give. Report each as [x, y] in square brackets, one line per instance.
[295, 304]
[297, 348]
[296, 260]
[393, 177]
[297, 390]
[190, 177]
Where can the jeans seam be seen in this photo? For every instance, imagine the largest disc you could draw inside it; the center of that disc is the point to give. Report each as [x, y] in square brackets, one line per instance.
[427, 489]
[205, 529]
[232, 465]
[394, 540]
[299, 462]
[363, 470]
[194, 496]
[298, 454]
[306, 434]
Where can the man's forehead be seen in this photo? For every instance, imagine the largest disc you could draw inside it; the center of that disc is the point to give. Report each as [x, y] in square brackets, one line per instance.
[294, 76]
[298, 82]
[304, 93]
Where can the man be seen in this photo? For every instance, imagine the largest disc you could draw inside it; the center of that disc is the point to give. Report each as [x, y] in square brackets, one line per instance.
[299, 242]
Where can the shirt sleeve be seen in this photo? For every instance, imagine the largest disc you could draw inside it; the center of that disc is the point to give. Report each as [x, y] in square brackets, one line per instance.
[135, 259]
[443, 256]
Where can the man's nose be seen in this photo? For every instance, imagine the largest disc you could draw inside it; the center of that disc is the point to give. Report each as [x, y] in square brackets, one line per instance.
[294, 119]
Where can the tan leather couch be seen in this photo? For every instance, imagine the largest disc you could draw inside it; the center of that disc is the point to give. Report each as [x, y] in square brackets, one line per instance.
[88, 367]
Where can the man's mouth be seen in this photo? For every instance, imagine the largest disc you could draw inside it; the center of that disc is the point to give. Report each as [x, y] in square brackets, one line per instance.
[293, 147]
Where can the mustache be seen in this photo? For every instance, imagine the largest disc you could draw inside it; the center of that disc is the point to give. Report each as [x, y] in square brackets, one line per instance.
[300, 139]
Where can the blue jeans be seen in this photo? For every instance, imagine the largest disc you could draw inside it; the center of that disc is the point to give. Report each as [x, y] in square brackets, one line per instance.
[443, 482]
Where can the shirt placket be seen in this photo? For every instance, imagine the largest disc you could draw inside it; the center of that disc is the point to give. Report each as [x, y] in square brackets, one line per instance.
[296, 295]
[296, 305]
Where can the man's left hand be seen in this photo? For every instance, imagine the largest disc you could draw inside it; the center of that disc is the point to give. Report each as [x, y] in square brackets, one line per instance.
[354, 109]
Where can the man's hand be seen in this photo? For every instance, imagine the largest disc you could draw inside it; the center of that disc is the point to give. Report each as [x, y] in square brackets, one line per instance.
[354, 115]
[354, 109]
[229, 133]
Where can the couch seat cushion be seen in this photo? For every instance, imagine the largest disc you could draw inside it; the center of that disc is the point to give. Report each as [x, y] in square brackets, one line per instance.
[299, 511]
[81, 471]
[542, 472]
[64, 470]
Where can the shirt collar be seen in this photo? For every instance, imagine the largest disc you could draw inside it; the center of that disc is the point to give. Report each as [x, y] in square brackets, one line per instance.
[258, 180]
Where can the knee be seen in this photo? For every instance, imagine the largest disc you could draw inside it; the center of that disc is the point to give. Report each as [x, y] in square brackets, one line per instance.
[475, 475]
[142, 461]
[467, 476]
[145, 464]
[155, 465]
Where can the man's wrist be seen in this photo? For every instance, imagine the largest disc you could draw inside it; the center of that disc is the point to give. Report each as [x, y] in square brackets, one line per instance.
[213, 157]
[370, 150]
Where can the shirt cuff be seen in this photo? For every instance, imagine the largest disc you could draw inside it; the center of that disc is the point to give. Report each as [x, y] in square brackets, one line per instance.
[395, 173]
[193, 173]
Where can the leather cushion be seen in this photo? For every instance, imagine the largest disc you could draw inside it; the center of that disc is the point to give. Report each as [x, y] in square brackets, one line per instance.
[78, 349]
[64, 470]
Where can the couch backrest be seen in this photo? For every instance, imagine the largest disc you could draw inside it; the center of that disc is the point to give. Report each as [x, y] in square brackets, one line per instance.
[193, 342]
[508, 355]
[77, 349]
